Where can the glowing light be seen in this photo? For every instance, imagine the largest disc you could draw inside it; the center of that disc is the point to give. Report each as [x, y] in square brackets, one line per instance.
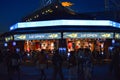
[56, 6]
[102, 53]
[14, 43]
[102, 45]
[68, 54]
[28, 54]
[67, 4]
[5, 44]
[113, 41]
[50, 23]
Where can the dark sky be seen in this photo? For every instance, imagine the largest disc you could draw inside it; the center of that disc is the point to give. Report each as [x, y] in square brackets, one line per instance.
[11, 11]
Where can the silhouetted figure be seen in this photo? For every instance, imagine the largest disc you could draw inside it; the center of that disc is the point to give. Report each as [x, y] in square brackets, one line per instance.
[87, 64]
[42, 62]
[1, 57]
[72, 65]
[115, 62]
[57, 65]
[80, 59]
[13, 64]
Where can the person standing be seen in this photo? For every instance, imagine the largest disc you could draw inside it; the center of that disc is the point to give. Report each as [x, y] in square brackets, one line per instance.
[80, 60]
[72, 65]
[1, 56]
[13, 64]
[57, 65]
[115, 62]
[42, 62]
[88, 66]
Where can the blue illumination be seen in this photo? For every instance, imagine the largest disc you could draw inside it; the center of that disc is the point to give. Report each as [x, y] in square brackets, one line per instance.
[14, 27]
[65, 23]
[5, 44]
[17, 50]
[113, 41]
[14, 43]
[68, 54]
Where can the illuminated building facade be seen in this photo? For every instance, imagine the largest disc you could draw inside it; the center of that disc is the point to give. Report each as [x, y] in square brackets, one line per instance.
[57, 27]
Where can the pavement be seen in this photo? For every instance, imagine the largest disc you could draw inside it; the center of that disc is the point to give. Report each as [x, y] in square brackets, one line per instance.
[31, 72]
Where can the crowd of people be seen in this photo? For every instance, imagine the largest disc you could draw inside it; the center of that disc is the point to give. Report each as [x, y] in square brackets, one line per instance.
[80, 64]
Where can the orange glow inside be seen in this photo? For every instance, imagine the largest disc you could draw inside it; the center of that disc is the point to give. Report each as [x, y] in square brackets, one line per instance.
[67, 4]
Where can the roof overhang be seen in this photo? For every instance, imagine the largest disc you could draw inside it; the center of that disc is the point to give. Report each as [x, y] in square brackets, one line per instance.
[51, 23]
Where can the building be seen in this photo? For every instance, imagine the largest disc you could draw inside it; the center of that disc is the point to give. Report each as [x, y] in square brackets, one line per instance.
[58, 27]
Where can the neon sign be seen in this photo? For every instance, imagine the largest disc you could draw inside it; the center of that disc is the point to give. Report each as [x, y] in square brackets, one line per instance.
[37, 36]
[87, 35]
[51, 23]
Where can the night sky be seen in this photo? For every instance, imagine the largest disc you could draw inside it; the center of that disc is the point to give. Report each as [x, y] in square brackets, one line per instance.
[12, 11]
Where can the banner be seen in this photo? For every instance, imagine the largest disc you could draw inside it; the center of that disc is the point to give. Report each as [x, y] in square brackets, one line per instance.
[87, 35]
[39, 36]
[117, 35]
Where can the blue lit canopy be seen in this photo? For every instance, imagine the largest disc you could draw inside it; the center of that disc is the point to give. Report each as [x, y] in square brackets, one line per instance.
[50, 23]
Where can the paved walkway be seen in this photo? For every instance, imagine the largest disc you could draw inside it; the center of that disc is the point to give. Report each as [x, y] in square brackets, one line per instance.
[100, 72]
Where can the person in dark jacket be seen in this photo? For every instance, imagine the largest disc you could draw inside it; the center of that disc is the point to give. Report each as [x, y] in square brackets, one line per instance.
[88, 66]
[72, 64]
[13, 64]
[57, 65]
[115, 62]
[80, 59]
[42, 61]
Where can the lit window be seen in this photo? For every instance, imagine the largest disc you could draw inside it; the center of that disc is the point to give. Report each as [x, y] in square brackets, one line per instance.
[37, 15]
[56, 6]
[46, 11]
[50, 10]
[43, 13]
